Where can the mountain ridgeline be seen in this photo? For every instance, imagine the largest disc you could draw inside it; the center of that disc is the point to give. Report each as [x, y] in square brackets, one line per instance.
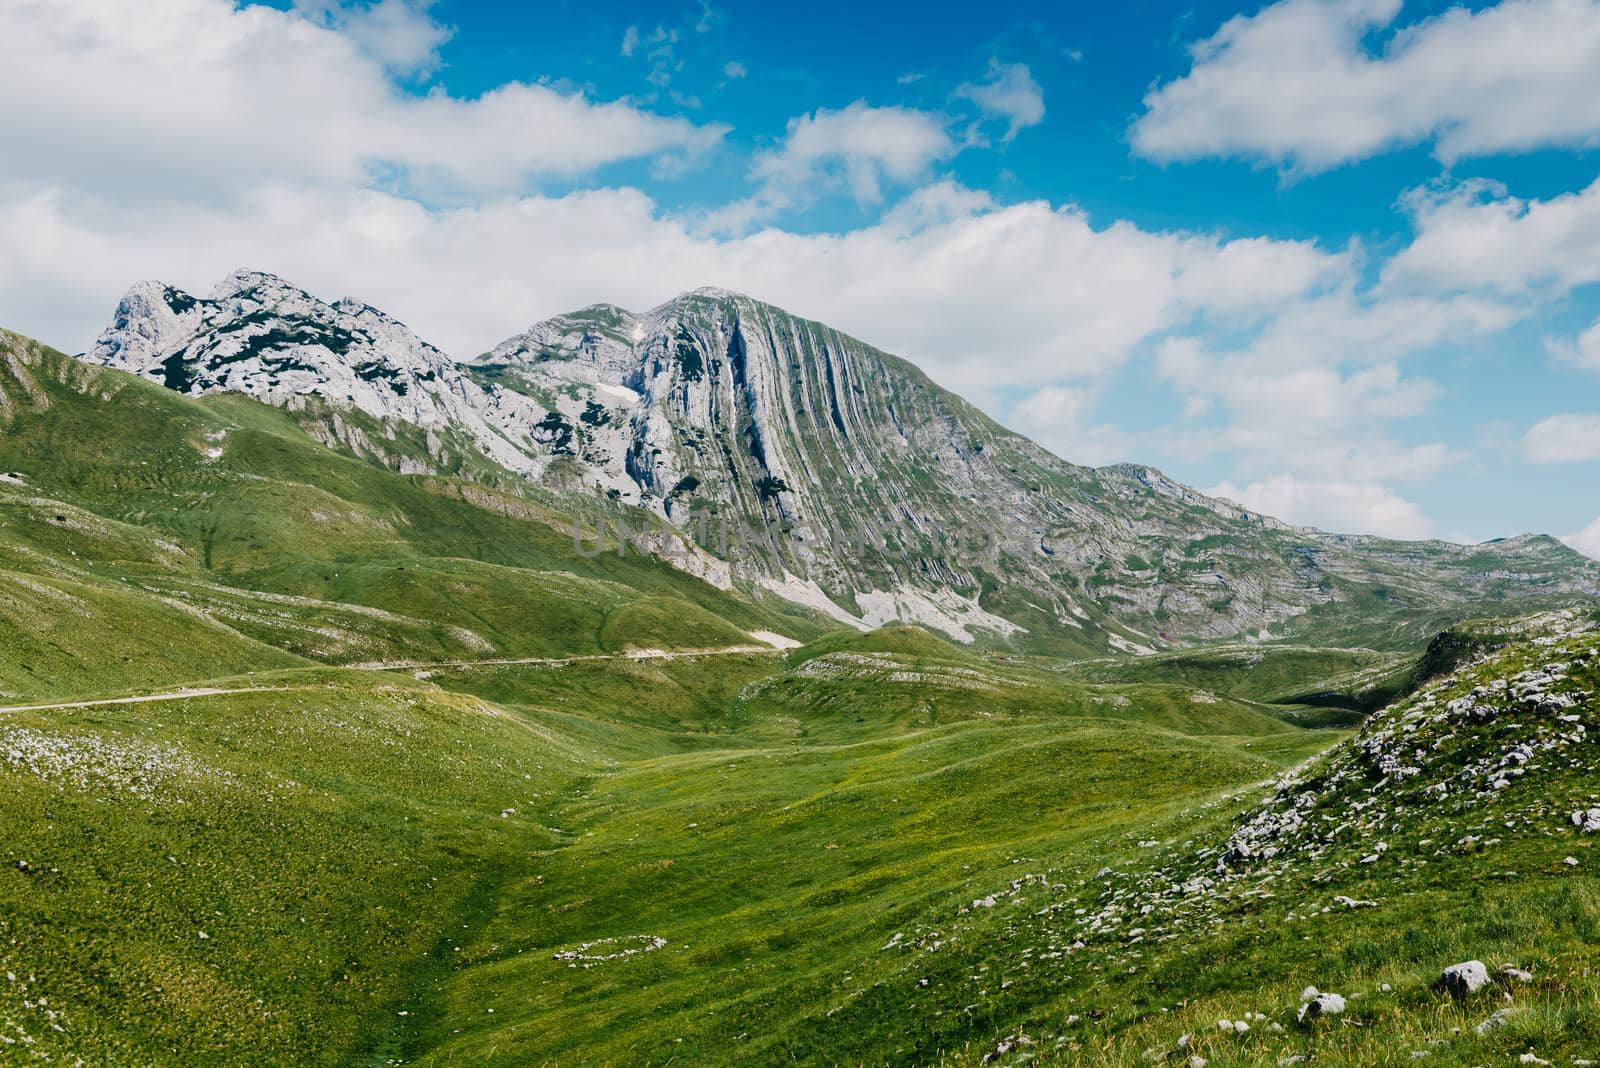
[815, 467]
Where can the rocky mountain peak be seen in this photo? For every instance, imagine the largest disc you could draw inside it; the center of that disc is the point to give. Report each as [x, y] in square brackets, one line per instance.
[258, 334]
[820, 469]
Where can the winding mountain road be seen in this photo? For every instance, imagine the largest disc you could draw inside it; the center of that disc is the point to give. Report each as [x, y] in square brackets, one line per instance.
[174, 695]
[407, 665]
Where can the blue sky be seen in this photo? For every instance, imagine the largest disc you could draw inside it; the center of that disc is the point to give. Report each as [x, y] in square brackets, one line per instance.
[1339, 259]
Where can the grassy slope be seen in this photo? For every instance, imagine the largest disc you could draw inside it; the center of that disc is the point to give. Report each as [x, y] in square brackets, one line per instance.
[245, 878]
[228, 529]
[668, 797]
[776, 847]
[777, 853]
[384, 866]
[1473, 873]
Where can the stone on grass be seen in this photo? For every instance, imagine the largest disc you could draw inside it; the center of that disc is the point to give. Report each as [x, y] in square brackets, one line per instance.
[1321, 1005]
[1465, 978]
[1495, 1022]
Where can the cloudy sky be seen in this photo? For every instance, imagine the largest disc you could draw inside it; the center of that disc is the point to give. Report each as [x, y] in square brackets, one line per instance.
[1338, 259]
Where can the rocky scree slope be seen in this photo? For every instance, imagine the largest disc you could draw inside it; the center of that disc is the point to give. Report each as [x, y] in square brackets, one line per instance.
[825, 471]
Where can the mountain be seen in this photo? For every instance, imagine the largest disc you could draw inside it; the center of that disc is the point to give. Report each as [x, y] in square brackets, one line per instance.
[827, 472]
[147, 537]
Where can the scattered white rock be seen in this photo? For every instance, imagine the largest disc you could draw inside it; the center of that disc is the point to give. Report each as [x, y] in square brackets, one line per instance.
[584, 956]
[1495, 1022]
[1509, 973]
[1321, 1005]
[1006, 1045]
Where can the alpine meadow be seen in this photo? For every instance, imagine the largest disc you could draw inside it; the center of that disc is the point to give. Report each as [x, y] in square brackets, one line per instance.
[1179, 644]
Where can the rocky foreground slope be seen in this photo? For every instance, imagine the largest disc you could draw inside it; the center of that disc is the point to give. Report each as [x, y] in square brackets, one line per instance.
[824, 470]
[1424, 889]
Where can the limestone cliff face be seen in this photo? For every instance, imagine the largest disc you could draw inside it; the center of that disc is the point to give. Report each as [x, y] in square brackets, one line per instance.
[831, 473]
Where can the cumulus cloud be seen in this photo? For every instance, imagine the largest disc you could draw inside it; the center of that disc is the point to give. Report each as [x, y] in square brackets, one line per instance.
[1582, 351]
[1007, 92]
[857, 148]
[1357, 508]
[1297, 84]
[1563, 438]
[983, 296]
[1587, 540]
[1476, 235]
[1312, 392]
[400, 34]
[1058, 418]
[192, 98]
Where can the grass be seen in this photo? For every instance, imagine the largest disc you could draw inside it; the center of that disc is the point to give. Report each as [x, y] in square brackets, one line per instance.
[222, 879]
[874, 849]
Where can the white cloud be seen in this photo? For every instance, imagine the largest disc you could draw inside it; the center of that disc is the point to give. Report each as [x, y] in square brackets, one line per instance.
[858, 146]
[1351, 507]
[400, 34]
[1582, 351]
[1297, 85]
[1587, 540]
[983, 296]
[1313, 392]
[1007, 92]
[1474, 235]
[192, 98]
[1057, 417]
[660, 47]
[1563, 438]
[710, 18]
[734, 70]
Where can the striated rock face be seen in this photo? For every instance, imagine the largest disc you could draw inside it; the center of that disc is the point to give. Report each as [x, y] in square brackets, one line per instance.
[828, 472]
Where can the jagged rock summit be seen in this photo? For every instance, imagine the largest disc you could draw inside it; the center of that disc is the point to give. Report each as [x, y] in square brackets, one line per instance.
[256, 334]
[824, 471]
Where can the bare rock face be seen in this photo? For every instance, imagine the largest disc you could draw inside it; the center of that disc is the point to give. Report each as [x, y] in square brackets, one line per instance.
[256, 334]
[260, 336]
[825, 471]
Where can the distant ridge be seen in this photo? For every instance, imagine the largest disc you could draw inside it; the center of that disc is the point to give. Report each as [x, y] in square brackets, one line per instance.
[877, 496]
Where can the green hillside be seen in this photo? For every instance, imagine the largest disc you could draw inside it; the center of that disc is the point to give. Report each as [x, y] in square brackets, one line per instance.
[235, 530]
[306, 761]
